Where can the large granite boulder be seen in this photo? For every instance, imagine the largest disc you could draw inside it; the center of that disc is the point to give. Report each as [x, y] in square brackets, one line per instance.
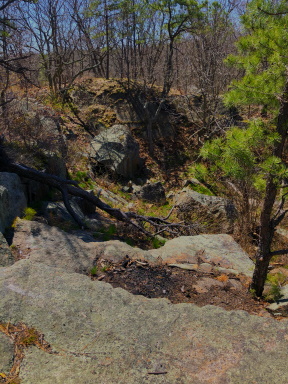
[98, 334]
[50, 245]
[221, 251]
[12, 199]
[213, 214]
[6, 354]
[117, 151]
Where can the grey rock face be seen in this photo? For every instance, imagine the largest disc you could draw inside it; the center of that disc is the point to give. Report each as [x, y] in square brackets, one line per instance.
[105, 335]
[125, 112]
[59, 210]
[54, 247]
[6, 354]
[219, 250]
[214, 214]
[152, 192]
[12, 199]
[42, 243]
[6, 257]
[117, 151]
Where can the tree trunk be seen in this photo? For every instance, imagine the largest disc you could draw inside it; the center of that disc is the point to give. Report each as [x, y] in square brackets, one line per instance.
[107, 74]
[266, 234]
[267, 224]
[168, 74]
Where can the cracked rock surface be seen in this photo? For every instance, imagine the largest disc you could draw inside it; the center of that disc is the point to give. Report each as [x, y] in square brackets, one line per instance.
[6, 354]
[105, 335]
[50, 245]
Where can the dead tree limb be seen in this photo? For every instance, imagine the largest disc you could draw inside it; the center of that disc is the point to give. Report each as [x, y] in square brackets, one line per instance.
[70, 210]
[70, 187]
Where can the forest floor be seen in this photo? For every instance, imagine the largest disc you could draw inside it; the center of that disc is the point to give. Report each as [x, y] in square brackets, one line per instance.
[180, 286]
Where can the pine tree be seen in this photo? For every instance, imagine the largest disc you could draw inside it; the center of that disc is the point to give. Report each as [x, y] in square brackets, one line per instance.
[262, 55]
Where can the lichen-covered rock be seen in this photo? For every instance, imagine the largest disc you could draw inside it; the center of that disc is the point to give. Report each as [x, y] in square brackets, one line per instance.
[117, 151]
[219, 250]
[60, 249]
[12, 199]
[42, 243]
[99, 334]
[6, 354]
[213, 214]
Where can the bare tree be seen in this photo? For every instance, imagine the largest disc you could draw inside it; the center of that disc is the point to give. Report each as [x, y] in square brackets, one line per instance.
[201, 56]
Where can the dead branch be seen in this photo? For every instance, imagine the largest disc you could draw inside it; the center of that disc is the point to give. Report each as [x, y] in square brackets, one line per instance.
[280, 252]
[70, 187]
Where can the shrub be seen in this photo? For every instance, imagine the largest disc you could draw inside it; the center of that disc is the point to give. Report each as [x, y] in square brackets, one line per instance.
[276, 281]
[94, 270]
[157, 242]
[29, 213]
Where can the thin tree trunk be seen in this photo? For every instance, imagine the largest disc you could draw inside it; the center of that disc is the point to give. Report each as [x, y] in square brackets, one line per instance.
[267, 224]
[168, 70]
[107, 40]
[263, 255]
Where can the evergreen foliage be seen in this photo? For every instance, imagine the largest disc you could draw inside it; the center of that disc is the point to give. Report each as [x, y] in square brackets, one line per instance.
[256, 155]
[262, 54]
[245, 154]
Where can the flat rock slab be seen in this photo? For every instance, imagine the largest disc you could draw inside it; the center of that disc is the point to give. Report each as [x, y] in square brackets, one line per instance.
[220, 250]
[103, 335]
[204, 284]
[43, 243]
[6, 354]
[50, 245]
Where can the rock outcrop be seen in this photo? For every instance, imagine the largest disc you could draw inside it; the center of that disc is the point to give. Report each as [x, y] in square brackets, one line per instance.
[60, 249]
[6, 353]
[221, 251]
[117, 151]
[105, 335]
[12, 199]
[54, 247]
[213, 214]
